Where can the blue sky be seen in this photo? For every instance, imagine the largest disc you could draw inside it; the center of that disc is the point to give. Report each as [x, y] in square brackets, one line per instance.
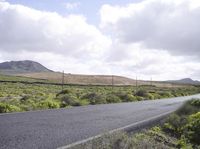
[88, 8]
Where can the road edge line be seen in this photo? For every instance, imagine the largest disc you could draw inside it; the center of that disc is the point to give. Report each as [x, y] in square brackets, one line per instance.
[125, 128]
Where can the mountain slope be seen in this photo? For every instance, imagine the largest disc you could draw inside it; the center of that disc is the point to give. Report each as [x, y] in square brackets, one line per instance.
[95, 79]
[80, 79]
[18, 67]
[186, 81]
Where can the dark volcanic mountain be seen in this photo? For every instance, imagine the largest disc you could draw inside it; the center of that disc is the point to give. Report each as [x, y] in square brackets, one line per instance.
[186, 81]
[17, 67]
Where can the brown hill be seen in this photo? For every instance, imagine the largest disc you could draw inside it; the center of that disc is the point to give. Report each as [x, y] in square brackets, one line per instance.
[94, 79]
[33, 69]
[17, 67]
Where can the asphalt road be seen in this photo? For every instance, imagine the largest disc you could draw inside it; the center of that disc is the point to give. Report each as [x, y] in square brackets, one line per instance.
[54, 128]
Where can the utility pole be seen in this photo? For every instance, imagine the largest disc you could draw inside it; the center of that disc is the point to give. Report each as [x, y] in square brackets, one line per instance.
[136, 83]
[63, 79]
[112, 82]
[151, 82]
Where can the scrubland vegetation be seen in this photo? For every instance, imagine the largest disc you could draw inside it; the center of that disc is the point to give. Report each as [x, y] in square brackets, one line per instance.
[180, 130]
[16, 97]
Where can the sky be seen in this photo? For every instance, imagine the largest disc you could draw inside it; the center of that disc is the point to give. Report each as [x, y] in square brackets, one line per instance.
[156, 39]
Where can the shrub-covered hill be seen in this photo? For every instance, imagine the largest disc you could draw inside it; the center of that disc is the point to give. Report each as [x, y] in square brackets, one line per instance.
[17, 67]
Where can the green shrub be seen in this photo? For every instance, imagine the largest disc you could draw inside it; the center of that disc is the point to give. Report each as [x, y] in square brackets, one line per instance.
[188, 108]
[165, 94]
[120, 94]
[129, 98]
[95, 98]
[193, 128]
[185, 124]
[176, 93]
[174, 124]
[156, 96]
[24, 98]
[138, 98]
[48, 104]
[4, 108]
[183, 143]
[150, 96]
[125, 97]
[32, 94]
[2, 94]
[111, 98]
[83, 102]
[117, 140]
[195, 102]
[141, 93]
[69, 100]
[66, 91]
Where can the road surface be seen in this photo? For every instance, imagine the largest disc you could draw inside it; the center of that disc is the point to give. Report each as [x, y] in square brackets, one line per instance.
[55, 128]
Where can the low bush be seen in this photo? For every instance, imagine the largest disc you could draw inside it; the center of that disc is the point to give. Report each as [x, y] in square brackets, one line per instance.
[165, 94]
[195, 102]
[185, 124]
[29, 96]
[125, 97]
[156, 96]
[24, 98]
[141, 93]
[129, 98]
[121, 140]
[150, 96]
[95, 98]
[83, 102]
[69, 100]
[192, 129]
[189, 107]
[174, 125]
[138, 98]
[66, 91]
[48, 104]
[111, 98]
[4, 108]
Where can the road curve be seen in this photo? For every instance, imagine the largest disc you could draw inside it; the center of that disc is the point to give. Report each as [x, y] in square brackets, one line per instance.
[55, 128]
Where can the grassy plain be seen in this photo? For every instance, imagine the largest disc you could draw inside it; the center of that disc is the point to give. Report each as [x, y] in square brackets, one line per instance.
[26, 94]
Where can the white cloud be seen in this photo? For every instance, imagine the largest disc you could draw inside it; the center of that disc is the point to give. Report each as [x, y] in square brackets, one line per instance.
[142, 38]
[71, 6]
[135, 60]
[23, 28]
[158, 24]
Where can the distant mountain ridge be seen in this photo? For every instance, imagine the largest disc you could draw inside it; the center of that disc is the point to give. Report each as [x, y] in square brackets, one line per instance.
[186, 81]
[26, 66]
